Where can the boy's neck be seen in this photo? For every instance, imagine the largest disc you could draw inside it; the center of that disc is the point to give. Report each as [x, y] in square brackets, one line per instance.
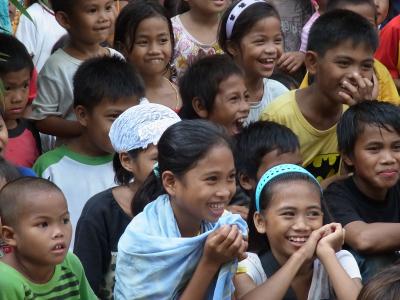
[369, 191]
[11, 124]
[321, 112]
[84, 51]
[38, 274]
[82, 145]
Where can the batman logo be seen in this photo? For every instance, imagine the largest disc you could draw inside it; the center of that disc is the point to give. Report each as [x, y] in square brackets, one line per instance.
[324, 165]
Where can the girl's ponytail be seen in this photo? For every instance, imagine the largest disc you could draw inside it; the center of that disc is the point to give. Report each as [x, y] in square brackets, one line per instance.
[149, 191]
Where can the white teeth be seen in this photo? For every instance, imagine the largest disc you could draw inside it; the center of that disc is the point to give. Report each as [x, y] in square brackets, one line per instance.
[217, 205]
[298, 239]
[58, 247]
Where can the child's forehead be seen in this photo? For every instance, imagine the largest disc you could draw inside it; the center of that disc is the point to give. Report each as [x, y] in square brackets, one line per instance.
[352, 49]
[368, 131]
[364, 9]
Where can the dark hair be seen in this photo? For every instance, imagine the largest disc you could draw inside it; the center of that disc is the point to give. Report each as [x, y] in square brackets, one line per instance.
[182, 7]
[259, 138]
[107, 77]
[202, 79]
[62, 5]
[338, 26]
[8, 171]
[258, 242]
[129, 19]
[372, 113]
[14, 56]
[123, 176]
[244, 23]
[339, 4]
[180, 147]
[383, 286]
[15, 193]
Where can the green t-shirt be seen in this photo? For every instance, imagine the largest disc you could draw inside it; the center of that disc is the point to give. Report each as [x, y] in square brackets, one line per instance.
[68, 282]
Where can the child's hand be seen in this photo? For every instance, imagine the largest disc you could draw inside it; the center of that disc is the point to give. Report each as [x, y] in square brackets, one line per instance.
[357, 89]
[291, 61]
[223, 245]
[332, 240]
[308, 249]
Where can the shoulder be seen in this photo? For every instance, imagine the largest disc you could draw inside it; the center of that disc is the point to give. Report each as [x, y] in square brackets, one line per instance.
[12, 283]
[275, 87]
[99, 204]
[280, 106]
[253, 268]
[73, 264]
[59, 62]
[340, 188]
[349, 264]
[48, 159]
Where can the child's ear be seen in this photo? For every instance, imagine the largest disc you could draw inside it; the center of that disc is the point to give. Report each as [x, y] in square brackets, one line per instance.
[246, 182]
[126, 162]
[311, 62]
[259, 222]
[199, 108]
[63, 19]
[169, 182]
[81, 115]
[233, 48]
[347, 160]
[8, 235]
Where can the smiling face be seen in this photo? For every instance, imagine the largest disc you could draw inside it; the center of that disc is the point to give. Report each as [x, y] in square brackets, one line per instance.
[260, 48]
[376, 161]
[208, 6]
[16, 86]
[204, 191]
[152, 47]
[231, 107]
[91, 21]
[292, 214]
[43, 231]
[339, 64]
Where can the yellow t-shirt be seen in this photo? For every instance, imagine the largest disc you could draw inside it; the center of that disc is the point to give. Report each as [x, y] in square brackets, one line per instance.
[387, 89]
[318, 148]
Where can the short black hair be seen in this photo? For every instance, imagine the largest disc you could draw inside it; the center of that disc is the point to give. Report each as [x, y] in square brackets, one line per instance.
[14, 194]
[62, 5]
[373, 113]
[338, 4]
[107, 77]
[14, 56]
[202, 79]
[338, 26]
[259, 138]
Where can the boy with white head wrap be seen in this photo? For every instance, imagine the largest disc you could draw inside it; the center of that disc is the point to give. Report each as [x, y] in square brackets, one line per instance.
[134, 136]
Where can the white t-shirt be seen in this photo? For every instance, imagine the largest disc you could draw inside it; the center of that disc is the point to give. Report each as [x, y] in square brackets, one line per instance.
[39, 35]
[272, 90]
[320, 282]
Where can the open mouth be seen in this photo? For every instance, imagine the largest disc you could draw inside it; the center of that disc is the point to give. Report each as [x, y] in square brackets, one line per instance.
[217, 209]
[238, 125]
[59, 248]
[298, 241]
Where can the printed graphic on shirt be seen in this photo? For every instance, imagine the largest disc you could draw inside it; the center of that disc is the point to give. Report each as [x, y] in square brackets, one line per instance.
[107, 286]
[324, 166]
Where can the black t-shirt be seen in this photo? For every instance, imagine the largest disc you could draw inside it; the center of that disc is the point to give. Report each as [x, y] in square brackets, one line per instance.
[99, 229]
[347, 204]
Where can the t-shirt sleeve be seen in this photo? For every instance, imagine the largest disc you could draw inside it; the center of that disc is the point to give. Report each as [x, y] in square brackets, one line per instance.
[85, 291]
[339, 201]
[349, 264]
[253, 268]
[10, 288]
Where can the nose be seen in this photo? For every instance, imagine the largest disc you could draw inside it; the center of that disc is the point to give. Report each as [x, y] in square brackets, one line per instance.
[58, 232]
[387, 157]
[301, 224]
[270, 48]
[17, 96]
[154, 48]
[244, 105]
[225, 191]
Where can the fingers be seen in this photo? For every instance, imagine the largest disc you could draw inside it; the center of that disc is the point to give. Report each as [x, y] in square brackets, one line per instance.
[237, 209]
[356, 88]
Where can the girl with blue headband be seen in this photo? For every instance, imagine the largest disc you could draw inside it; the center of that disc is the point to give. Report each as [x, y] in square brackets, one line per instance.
[296, 256]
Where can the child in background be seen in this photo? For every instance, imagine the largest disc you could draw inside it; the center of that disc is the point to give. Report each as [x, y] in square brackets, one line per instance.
[195, 32]
[39, 33]
[35, 223]
[260, 146]
[340, 56]
[23, 146]
[250, 33]
[297, 257]
[143, 33]
[384, 86]
[382, 11]
[367, 204]
[213, 88]
[384, 286]
[134, 136]
[88, 23]
[183, 238]
[104, 87]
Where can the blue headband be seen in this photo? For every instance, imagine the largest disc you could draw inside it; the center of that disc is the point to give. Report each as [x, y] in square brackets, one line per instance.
[276, 171]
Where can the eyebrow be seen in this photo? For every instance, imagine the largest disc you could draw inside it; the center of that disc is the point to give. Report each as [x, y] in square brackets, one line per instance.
[295, 208]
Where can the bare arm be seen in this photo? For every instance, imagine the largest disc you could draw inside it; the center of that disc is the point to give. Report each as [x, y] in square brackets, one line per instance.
[59, 127]
[373, 237]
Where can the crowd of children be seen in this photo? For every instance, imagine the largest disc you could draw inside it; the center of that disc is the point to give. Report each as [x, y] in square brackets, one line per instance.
[200, 149]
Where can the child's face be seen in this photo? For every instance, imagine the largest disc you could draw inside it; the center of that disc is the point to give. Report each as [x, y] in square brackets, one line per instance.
[204, 191]
[382, 9]
[98, 123]
[260, 48]
[231, 106]
[275, 158]
[3, 136]
[208, 6]
[365, 10]
[91, 21]
[294, 212]
[142, 165]
[16, 85]
[43, 233]
[152, 47]
[340, 65]
[376, 161]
